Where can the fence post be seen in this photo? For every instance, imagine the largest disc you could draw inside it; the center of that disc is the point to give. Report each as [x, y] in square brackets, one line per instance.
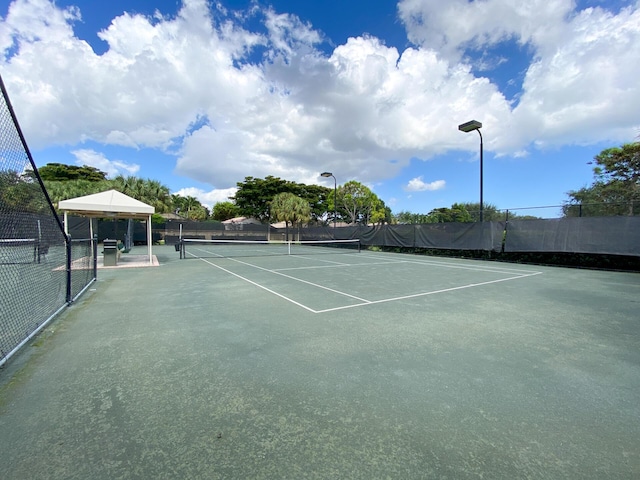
[68, 245]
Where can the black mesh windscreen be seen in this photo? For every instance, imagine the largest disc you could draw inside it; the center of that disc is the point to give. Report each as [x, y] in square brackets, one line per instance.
[602, 235]
[615, 235]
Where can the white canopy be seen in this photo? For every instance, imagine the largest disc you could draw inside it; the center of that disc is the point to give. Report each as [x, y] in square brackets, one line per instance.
[105, 204]
[110, 204]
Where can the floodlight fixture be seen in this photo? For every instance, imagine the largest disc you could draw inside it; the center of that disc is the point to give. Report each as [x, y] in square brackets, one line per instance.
[335, 197]
[470, 127]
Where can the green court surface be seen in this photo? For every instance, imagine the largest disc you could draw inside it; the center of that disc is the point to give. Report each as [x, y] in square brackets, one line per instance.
[356, 365]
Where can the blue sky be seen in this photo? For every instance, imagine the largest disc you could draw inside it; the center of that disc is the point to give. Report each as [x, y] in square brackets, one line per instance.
[200, 94]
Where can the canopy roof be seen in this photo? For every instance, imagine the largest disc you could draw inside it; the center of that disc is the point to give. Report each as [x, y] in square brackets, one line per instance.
[107, 204]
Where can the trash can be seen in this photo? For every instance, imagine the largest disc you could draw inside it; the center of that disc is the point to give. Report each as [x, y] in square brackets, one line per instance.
[110, 252]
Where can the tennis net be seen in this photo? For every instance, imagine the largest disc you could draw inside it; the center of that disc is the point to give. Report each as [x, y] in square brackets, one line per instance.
[198, 248]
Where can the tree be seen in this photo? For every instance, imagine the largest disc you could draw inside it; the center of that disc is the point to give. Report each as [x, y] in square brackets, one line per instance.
[158, 195]
[189, 207]
[21, 192]
[69, 181]
[382, 214]
[150, 192]
[406, 217]
[289, 208]
[457, 213]
[316, 196]
[254, 196]
[616, 187]
[65, 189]
[490, 212]
[224, 211]
[58, 172]
[597, 200]
[358, 204]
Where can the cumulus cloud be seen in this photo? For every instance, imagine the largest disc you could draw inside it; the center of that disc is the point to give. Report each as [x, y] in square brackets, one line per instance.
[587, 88]
[208, 198]
[275, 104]
[450, 27]
[581, 86]
[418, 185]
[155, 78]
[112, 168]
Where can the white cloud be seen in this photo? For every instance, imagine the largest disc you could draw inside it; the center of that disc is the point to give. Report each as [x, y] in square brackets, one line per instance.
[156, 77]
[112, 168]
[450, 27]
[209, 199]
[363, 112]
[582, 84]
[587, 88]
[287, 33]
[418, 185]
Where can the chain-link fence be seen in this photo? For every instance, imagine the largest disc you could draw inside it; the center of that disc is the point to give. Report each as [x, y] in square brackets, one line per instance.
[41, 270]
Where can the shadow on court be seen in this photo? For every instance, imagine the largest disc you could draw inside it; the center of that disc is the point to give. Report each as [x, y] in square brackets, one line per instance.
[361, 366]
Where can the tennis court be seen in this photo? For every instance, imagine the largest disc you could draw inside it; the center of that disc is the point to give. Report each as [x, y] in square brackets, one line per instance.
[322, 277]
[331, 365]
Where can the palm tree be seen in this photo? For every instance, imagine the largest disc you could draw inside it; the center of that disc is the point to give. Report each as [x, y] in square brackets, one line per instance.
[150, 192]
[287, 207]
[127, 185]
[158, 195]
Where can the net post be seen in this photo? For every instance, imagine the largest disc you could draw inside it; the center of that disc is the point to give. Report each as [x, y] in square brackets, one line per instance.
[359, 245]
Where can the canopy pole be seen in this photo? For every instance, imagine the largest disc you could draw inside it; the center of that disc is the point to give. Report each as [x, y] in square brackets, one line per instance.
[149, 240]
[93, 240]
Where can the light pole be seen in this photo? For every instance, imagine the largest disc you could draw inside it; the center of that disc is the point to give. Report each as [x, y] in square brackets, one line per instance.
[470, 127]
[335, 196]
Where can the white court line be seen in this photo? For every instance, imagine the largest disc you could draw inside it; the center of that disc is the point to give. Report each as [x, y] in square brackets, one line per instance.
[384, 261]
[424, 294]
[464, 266]
[336, 266]
[321, 260]
[258, 285]
[301, 281]
[364, 301]
[474, 268]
